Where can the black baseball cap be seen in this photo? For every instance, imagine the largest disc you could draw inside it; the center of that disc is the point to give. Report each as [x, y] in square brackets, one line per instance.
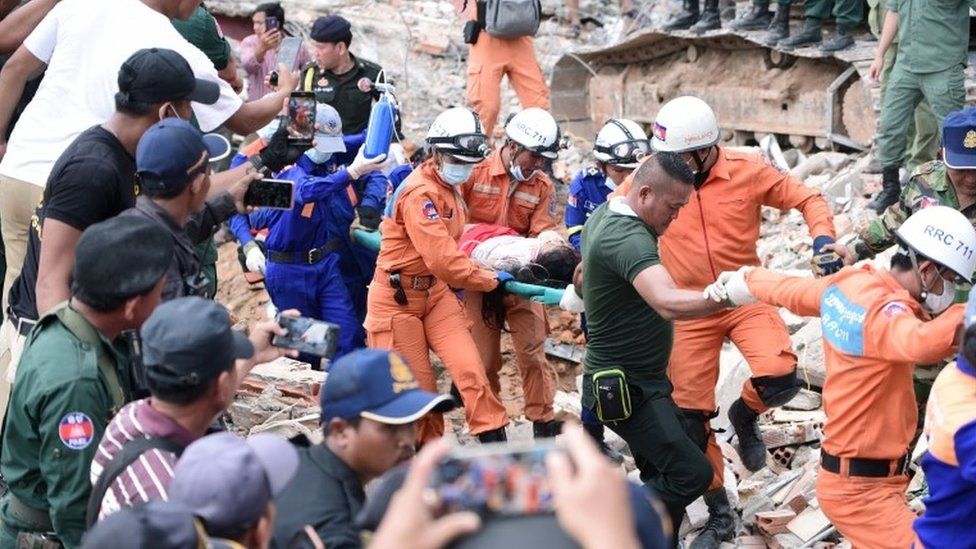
[189, 341]
[331, 29]
[154, 525]
[157, 75]
[119, 258]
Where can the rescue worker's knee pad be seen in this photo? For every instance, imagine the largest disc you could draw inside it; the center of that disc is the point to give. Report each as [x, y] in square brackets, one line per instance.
[777, 390]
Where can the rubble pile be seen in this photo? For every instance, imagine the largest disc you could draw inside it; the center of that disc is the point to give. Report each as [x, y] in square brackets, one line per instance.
[419, 44]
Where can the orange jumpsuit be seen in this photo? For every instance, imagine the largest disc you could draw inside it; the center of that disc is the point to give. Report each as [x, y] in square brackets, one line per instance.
[492, 58]
[717, 231]
[525, 207]
[874, 335]
[419, 240]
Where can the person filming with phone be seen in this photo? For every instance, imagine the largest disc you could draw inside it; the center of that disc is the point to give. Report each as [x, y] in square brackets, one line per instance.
[308, 236]
[260, 52]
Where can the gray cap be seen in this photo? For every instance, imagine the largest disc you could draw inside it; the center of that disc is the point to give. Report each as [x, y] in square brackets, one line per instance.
[119, 258]
[188, 341]
[229, 482]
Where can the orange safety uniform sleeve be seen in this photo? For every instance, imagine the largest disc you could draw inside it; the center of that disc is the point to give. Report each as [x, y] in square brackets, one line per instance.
[437, 247]
[907, 338]
[799, 295]
[783, 191]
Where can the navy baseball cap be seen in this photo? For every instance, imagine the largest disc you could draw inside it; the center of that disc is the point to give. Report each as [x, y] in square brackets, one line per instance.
[377, 385]
[172, 152]
[228, 481]
[959, 139]
[331, 29]
[154, 525]
[157, 75]
[189, 341]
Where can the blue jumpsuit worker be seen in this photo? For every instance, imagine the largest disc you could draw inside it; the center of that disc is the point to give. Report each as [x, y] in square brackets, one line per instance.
[304, 243]
[619, 144]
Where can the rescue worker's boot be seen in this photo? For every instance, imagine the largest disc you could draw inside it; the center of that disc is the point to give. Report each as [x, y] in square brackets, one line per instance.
[809, 36]
[685, 19]
[757, 18]
[842, 39]
[546, 429]
[779, 29]
[709, 19]
[752, 450]
[890, 189]
[495, 435]
[596, 433]
[721, 521]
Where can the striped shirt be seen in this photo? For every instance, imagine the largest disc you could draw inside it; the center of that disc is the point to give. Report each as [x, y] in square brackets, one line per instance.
[148, 477]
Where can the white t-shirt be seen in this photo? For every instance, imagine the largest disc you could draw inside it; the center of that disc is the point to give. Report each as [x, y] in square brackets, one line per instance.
[84, 44]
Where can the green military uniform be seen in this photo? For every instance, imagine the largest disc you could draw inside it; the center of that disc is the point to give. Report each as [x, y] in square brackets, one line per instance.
[69, 384]
[933, 38]
[922, 132]
[846, 12]
[350, 93]
[625, 333]
[928, 186]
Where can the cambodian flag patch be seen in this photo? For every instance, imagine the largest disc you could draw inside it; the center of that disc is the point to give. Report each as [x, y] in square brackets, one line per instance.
[430, 210]
[928, 201]
[76, 430]
[660, 132]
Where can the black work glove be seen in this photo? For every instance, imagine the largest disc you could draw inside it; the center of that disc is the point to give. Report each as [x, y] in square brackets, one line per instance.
[825, 262]
[369, 217]
[279, 152]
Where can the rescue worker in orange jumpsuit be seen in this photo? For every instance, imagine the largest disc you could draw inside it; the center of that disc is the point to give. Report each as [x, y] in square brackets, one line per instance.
[492, 58]
[877, 325]
[511, 190]
[717, 231]
[411, 306]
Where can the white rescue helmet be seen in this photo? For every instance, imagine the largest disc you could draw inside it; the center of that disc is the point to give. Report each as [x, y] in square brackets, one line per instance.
[621, 142]
[458, 132]
[536, 130]
[684, 124]
[944, 235]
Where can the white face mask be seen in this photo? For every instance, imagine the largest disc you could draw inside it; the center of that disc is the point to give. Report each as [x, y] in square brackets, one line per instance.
[516, 172]
[936, 303]
[455, 174]
[317, 156]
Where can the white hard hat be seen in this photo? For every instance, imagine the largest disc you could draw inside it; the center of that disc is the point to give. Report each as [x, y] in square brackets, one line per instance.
[944, 235]
[684, 124]
[621, 142]
[536, 130]
[458, 132]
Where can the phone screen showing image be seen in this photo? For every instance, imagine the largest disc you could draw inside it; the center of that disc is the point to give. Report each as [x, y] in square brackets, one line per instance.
[270, 193]
[495, 479]
[301, 118]
[315, 337]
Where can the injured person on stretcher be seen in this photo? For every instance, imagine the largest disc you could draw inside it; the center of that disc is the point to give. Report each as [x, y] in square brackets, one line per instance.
[545, 260]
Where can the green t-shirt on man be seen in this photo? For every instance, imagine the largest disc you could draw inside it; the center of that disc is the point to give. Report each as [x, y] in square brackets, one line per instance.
[624, 331]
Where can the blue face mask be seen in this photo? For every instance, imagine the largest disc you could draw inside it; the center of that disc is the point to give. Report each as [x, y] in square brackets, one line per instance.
[456, 174]
[318, 157]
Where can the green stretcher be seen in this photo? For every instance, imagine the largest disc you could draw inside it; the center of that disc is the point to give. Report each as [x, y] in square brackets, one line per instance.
[532, 292]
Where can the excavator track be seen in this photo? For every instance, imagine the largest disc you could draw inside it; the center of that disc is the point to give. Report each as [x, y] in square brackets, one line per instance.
[806, 98]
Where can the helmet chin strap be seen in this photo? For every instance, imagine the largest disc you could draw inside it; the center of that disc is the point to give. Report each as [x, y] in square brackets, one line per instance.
[700, 173]
[924, 294]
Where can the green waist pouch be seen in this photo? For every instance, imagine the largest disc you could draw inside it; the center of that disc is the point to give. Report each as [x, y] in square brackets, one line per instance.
[612, 395]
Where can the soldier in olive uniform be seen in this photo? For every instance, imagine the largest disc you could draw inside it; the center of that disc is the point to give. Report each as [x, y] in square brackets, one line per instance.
[338, 77]
[73, 376]
[933, 37]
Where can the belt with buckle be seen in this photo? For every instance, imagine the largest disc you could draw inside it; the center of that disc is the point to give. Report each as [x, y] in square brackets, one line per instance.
[857, 467]
[308, 257]
[23, 326]
[423, 282]
[36, 519]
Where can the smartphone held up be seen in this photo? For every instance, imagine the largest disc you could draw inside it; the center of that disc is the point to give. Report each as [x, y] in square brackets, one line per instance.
[301, 118]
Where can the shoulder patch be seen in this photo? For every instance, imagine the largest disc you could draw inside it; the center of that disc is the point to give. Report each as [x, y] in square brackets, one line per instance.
[927, 201]
[592, 170]
[571, 201]
[893, 309]
[430, 210]
[76, 430]
[365, 85]
[842, 322]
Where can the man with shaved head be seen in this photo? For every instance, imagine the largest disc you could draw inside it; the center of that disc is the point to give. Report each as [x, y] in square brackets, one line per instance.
[630, 302]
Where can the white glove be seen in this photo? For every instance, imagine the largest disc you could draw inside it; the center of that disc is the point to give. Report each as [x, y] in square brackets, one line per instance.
[254, 260]
[731, 286]
[570, 301]
[361, 165]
